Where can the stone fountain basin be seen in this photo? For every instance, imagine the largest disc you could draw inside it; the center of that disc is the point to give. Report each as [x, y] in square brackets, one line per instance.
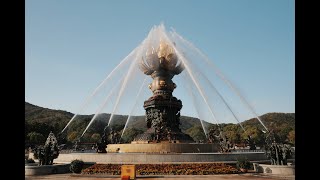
[275, 169]
[163, 148]
[34, 169]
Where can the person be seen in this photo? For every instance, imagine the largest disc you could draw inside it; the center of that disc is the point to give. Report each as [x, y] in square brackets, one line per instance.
[251, 143]
[75, 147]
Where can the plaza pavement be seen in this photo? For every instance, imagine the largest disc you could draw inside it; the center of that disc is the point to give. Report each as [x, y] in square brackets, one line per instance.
[255, 176]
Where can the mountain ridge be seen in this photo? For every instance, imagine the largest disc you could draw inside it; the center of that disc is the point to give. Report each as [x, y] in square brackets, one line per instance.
[43, 120]
[34, 113]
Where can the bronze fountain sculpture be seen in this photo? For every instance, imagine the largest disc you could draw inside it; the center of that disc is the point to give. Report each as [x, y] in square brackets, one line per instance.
[162, 108]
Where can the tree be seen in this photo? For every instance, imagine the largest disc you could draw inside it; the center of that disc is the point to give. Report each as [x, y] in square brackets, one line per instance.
[95, 137]
[41, 128]
[129, 134]
[197, 133]
[233, 136]
[232, 132]
[292, 137]
[117, 127]
[282, 132]
[86, 137]
[72, 136]
[26, 130]
[255, 134]
[36, 138]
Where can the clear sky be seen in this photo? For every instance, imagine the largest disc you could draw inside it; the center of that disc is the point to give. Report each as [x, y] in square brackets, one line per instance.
[72, 45]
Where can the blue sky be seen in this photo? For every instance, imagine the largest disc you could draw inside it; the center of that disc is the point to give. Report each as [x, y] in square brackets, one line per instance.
[71, 46]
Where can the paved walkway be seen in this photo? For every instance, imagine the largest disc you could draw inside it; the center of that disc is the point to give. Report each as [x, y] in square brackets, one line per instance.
[165, 177]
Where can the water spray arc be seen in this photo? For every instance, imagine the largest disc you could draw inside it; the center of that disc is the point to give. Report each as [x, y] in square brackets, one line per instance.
[161, 56]
[102, 84]
[132, 109]
[220, 74]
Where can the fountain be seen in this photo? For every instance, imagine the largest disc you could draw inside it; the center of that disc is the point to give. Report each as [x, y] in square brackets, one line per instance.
[45, 156]
[163, 56]
[48, 152]
[278, 154]
[162, 109]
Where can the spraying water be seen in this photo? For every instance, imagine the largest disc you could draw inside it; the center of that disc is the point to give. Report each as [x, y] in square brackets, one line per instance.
[196, 78]
[215, 90]
[102, 84]
[102, 106]
[135, 105]
[219, 73]
[187, 86]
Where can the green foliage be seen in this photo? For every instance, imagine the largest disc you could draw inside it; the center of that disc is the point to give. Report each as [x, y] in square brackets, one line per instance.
[292, 137]
[35, 138]
[196, 133]
[73, 136]
[283, 133]
[255, 134]
[214, 128]
[43, 120]
[40, 127]
[188, 122]
[76, 166]
[29, 161]
[232, 132]
[95, 137]
[86, 137]
[243, 163]
[129, 134]
[117, 127]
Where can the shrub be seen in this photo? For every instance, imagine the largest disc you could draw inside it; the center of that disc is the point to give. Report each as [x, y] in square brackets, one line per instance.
[76, 166]
[29, 161]
[243, 163]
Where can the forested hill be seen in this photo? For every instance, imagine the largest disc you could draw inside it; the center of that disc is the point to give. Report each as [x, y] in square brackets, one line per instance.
[59, 118]
[35, 113]
[274, 120]
[43, 120]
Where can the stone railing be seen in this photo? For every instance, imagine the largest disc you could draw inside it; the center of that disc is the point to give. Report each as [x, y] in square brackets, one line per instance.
[247, 150]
